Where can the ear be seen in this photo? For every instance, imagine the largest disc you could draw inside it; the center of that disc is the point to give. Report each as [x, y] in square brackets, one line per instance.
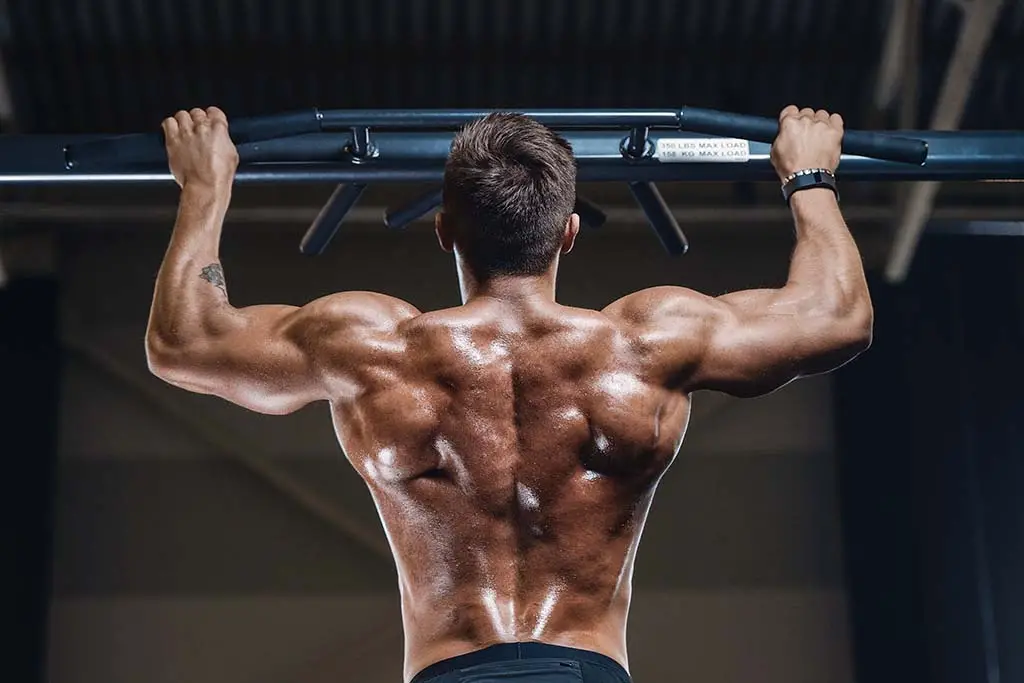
[445, 235]
[572, 228]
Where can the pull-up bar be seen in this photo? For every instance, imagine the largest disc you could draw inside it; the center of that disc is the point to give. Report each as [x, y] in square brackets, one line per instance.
[145, 147]
[358, 147]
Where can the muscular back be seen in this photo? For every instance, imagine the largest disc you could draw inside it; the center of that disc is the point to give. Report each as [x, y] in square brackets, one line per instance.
[512, 446]
[512, 453]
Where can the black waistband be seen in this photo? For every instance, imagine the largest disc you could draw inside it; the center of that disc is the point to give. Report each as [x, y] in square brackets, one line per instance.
[507, 651]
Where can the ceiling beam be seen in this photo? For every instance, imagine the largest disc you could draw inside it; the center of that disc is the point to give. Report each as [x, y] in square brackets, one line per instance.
[976, 29]
[910, 92]
[892, 64]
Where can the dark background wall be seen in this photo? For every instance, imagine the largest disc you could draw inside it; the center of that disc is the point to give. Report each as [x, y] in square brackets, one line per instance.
[29, 375]
[931, 444]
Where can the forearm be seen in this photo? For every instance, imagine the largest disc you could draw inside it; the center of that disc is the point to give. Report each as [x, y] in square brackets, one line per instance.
[190, 299]
[826, 273]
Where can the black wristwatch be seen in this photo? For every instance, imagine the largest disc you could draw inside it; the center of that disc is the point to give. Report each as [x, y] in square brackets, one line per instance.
[805, 180]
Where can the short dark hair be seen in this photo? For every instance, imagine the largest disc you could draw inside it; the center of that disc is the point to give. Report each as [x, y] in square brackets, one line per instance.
[510, 187]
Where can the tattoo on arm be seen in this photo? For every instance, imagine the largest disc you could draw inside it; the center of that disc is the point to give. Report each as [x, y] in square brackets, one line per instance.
[214, 274]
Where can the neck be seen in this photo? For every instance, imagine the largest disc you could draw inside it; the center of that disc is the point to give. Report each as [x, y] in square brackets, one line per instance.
[509, 288]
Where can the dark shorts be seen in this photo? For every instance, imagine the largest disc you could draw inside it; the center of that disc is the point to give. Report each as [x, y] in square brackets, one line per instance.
[527, 662]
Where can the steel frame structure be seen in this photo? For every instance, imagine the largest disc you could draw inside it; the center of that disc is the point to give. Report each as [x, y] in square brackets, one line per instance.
[976, 28]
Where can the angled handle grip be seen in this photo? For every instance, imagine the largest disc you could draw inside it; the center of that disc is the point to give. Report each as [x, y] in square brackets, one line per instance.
[148, 148]
[760, 129]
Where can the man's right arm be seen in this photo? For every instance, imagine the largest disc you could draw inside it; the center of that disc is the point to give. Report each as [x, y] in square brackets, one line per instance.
[751, 342]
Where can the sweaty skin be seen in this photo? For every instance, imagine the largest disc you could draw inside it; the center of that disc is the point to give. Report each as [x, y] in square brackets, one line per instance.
[512, 445]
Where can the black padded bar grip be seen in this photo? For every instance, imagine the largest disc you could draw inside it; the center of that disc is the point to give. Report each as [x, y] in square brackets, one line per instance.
[759, 129]
[148, 148]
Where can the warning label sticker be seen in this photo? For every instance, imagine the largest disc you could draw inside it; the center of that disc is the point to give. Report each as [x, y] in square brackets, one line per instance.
[696, 150]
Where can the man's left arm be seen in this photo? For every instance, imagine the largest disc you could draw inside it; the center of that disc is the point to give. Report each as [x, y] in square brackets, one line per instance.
[270, 359]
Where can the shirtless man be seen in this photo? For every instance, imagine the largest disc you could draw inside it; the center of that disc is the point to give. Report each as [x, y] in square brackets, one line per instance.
[512, 445]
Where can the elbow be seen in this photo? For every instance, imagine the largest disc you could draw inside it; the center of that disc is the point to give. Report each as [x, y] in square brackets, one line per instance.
[861, 319]
[165, 358]
[842, 331]
[859, 335]
[854, 327]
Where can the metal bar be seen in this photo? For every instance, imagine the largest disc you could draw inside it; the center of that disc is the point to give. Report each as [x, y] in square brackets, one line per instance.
[342, 200]
[420, 156]
[148, 147]
[145, 146]
[328, 221]
[975, 33]
[446, 119]
[659, 215]
[410, 212]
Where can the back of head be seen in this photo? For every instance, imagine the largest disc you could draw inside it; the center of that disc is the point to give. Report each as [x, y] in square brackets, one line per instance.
[509, 187]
